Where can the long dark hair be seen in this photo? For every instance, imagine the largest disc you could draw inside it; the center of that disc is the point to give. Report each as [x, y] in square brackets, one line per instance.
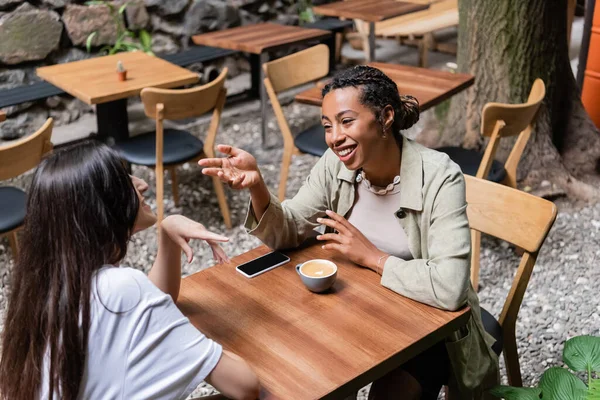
[81, 211]
[378, 91]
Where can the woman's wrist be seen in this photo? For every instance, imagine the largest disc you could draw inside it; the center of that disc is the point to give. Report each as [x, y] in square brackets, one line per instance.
[377, 261]
[260, 197]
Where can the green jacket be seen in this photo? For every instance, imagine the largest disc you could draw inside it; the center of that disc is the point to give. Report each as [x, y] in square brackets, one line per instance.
[432, 212]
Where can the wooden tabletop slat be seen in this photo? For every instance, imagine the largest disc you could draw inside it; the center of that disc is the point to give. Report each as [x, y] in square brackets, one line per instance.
[258, 38]
[305, 345]
[94, 80]
[369, 10]
[429, 86]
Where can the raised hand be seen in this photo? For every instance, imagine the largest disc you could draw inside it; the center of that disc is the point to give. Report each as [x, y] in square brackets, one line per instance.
[181, 229]
[351, 243]
[239, 170]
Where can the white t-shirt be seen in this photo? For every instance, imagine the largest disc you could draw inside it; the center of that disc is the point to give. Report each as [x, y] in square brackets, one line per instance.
[140, 345]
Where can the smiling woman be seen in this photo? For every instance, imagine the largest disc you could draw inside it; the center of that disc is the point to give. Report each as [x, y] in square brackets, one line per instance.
[396, 208]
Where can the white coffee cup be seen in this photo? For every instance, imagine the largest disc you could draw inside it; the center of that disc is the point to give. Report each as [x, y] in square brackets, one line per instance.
[317, 275]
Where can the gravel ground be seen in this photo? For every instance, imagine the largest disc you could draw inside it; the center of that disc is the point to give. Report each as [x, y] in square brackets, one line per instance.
[560, 301]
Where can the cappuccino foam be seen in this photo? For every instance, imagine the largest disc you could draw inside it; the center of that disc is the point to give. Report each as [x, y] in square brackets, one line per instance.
[317, 269]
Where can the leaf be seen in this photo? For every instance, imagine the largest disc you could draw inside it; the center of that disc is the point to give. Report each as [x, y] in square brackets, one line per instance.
[594, 390]
[145, 40]
[122, 8]
[88, 42]
[582, 353]
[516, 393]
[559, 384]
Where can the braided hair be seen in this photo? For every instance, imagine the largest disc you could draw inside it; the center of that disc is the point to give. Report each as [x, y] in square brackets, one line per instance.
[377, 91]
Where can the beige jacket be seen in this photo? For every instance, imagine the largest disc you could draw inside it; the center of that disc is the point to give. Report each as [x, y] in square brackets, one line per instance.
[432, 212]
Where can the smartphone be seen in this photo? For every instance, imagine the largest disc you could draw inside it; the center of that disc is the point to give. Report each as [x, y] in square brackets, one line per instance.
[262, 264]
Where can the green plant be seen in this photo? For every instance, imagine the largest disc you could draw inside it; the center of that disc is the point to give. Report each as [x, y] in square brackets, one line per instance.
[581, 354]
[305, 12]
[127, 40]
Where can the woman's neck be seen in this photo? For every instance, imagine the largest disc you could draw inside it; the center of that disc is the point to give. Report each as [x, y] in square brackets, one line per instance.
[385, 168]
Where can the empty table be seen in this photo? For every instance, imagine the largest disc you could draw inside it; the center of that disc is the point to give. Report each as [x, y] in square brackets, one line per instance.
[429, 86]
[258, 40]
[370, 11]
[94, 81]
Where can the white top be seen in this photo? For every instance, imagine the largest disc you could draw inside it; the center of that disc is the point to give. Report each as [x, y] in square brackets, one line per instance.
[374, 216]
[140, 345]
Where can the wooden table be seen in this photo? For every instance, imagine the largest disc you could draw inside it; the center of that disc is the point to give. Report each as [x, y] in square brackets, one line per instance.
[429, 86]
[94, 81]
[370, 11]
[258, 40]
[2, 116]
[308, 346]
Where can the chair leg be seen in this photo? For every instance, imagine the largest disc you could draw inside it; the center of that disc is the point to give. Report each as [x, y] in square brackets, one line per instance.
[222, 201]
[174, 185]
[475, 258]
[14, 244]
[511, 358]
[285, 170]
[160, 188]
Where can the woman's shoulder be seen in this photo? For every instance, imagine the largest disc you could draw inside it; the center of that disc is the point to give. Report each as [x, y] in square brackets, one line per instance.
[121, 289]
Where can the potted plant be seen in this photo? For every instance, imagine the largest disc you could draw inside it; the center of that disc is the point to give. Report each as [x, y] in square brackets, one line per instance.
[581, 354]
[121, 71]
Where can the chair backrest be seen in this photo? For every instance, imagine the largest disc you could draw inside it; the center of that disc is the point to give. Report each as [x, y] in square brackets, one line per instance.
[293, 70]
[183, 103]
[22, 155]
[298, 68]
[516, 117]
[516, 217]
[500, 120]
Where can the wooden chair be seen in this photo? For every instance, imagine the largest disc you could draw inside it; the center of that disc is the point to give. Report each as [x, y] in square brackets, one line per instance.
[169, 148]
[523, 220]
[16, 158]
[498, 120]
[283, 74]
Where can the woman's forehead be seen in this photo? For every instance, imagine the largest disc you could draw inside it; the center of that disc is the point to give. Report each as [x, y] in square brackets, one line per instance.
[345, 98]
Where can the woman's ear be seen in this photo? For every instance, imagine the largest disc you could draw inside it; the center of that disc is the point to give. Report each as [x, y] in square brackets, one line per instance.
[387, 116]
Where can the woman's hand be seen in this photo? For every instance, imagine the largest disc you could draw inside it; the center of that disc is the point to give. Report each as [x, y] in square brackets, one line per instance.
[351, 243]
[239, 170]
[181, 229]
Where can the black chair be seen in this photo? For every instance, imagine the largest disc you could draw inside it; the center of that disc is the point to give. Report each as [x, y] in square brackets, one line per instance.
[16, 158]
[169, 148]
[500, 120]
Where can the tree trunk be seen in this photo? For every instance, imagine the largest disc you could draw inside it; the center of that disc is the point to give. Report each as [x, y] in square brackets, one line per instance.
[507, 44]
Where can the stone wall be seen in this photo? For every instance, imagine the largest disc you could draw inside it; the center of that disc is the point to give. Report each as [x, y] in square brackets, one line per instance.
[45, 32]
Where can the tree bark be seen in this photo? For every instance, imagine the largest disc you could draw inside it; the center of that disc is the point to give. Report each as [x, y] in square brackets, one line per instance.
[507, 44]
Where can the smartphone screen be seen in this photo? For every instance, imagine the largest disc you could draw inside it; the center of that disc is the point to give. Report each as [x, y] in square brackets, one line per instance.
[262, 264]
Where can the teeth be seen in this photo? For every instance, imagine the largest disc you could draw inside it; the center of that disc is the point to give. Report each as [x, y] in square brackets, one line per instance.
[345, 152]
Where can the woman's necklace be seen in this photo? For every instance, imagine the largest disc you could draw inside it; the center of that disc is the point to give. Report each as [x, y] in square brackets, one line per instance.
[362, 177]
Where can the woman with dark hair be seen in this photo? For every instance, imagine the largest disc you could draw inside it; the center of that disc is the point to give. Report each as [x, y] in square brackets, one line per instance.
[78, 326]
[390, 205]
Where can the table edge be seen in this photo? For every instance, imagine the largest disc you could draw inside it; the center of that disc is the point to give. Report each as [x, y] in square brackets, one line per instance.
[399, 358]
[262, 49]
[370, 18]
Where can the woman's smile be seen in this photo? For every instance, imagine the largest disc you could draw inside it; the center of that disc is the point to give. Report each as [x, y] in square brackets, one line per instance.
[345, 153]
